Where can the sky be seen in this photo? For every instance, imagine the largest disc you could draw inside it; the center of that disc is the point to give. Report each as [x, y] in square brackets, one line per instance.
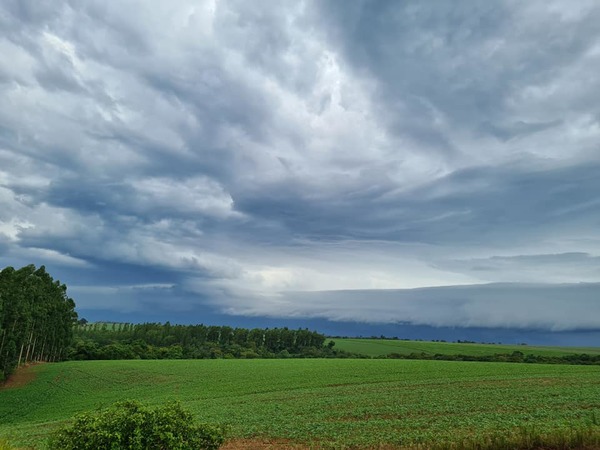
[350, 166]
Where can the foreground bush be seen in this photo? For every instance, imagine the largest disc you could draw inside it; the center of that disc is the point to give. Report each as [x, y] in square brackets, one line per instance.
[129, 425]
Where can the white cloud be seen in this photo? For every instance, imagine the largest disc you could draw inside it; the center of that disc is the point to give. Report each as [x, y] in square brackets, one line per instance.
[12, 228]
[196, 195]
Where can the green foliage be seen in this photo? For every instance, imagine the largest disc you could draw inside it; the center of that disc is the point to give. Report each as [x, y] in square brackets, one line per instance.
[36, 318]
[165, 341]
[347, 403]
[529, 438]
[384, 347]
[4, 445]
[129, 425]
[514, 357]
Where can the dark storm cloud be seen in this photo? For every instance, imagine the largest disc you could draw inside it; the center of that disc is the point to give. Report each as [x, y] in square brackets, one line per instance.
[467, 60]
[509, 131]
[510, 305]
[227, 156]
[566, 267]
[468, 206]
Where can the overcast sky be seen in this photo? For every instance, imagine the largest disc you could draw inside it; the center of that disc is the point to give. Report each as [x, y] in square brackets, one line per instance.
[430, 163]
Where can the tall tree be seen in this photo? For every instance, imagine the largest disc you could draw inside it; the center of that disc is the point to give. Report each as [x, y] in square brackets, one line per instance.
[36, 318]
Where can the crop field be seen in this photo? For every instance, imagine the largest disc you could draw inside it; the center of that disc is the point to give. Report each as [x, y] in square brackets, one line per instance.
[382, 347]
[315, 402]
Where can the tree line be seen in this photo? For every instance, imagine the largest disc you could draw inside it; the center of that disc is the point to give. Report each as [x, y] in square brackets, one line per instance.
[514, 357]
[38, 322]
[36, 318]
[167, 341]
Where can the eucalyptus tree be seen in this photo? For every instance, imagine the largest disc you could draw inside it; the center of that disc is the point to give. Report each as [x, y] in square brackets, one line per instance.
[36, 318]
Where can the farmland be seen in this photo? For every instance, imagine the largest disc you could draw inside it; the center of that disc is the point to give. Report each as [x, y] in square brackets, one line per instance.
[382, 347]
[336, 403]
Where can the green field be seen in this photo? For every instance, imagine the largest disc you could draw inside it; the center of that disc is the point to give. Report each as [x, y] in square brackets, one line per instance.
[337, 403]
[382, 347]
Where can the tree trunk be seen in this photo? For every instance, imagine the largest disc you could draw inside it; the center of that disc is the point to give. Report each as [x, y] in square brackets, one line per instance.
[20, 355]
[33, 349]
[28, 346]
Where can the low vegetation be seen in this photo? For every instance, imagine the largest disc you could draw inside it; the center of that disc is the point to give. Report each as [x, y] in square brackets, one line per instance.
[460, 351]
[4, 445]
[527, 438]
[328, 403]
[129, 425]
[376, 347]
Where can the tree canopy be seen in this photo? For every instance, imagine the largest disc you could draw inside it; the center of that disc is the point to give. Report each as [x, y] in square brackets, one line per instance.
[36, 318]
[170, 341]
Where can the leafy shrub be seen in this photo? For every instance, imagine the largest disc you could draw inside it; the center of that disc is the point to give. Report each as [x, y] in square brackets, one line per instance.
[131, 426]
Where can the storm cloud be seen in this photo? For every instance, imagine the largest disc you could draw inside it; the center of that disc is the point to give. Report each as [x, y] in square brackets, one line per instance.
[375, 161]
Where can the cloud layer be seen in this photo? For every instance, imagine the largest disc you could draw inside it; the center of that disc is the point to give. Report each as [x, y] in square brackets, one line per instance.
[259, 159]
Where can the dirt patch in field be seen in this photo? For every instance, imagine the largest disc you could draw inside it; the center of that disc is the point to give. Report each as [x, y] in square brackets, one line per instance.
[264, 444]
[21, 377]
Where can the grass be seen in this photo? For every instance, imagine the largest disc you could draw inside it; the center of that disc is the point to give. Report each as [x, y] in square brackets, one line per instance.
[331, 403]
[527, 438]
[382, 347]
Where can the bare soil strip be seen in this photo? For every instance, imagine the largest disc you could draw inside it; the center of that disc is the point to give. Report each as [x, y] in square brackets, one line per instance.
[21, 377]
